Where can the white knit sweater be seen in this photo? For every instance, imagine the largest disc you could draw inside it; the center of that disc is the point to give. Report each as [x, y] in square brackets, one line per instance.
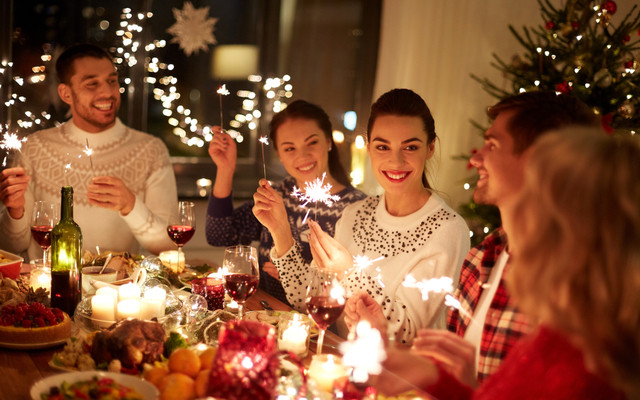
[429, 243]
[55, 157]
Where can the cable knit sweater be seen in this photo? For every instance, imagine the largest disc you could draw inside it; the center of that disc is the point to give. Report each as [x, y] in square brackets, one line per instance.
[429, 243]
[55, 157]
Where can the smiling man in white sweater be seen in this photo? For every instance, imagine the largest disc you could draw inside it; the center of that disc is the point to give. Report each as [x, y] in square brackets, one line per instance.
[123, 192]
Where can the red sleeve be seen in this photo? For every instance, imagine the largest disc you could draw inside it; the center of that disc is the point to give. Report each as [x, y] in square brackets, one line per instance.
[448, 387]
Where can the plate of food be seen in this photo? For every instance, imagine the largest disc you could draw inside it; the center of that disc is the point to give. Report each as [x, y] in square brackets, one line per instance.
[76, 384]
[273, 317]
[193, 272]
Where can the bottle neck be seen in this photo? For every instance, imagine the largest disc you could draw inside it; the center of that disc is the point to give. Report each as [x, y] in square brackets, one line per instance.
[66, 208]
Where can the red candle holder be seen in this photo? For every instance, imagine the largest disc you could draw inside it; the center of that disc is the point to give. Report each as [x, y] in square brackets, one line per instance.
[246, 363]
[212, 289]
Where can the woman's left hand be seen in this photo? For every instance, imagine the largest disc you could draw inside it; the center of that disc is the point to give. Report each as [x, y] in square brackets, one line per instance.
[361, 306]
[328, 253]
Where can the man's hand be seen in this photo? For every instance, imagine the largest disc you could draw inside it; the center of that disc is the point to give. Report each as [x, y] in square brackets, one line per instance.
[110, 192]
[361, 306]
[13, 186]
[455, 354]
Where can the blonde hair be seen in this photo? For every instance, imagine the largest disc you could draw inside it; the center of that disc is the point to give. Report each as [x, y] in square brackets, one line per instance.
[576, 249]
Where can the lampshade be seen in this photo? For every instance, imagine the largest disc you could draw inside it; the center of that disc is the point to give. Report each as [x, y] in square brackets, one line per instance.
[234, 62]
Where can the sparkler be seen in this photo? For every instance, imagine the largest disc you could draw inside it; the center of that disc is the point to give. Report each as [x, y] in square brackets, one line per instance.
[222, 91]
[89, 151]
[315, 192]
[10, 141]
[428, 286]
[365, 353]
[264, 141]
[362, 262]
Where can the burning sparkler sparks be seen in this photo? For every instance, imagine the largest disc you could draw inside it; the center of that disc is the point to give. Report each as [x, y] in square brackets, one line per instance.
[365, 353]
[315, 192]
[264, 141]
[443, 284]
[89, 151]
[222, 91]
[362, 262]
[10, 141]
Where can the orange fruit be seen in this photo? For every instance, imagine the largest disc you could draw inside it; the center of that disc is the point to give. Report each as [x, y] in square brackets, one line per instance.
[155, 375]
[185, 361]
[177, 386]
[202, 383]
[206, 358]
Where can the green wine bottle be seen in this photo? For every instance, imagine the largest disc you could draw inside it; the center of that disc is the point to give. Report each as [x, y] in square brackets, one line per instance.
[66, 257]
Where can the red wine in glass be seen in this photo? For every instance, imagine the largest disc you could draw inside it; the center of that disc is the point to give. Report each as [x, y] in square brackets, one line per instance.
[43, 219]
[182, 225]
[325, 302]
[42, 235]
[240, 286]
[324, 310]
[180, 235]
[241, 276]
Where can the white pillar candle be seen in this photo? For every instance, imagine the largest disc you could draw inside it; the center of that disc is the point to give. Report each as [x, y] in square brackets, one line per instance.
[325, 369]
[103, 308]
[153, 303]
[129, 308]
[129, 291]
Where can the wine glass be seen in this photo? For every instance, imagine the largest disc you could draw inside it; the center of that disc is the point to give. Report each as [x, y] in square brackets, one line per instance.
[45, 216]
[325, 302]
[182, 225]
[241, 273]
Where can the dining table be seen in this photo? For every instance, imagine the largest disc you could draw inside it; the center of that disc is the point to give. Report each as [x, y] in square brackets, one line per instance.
[20, 369]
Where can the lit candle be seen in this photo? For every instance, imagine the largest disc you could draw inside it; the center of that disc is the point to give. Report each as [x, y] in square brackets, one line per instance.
[293, 335]
[325, 369]
[40, 278]
[173, 260]
[103, 308]
[129, 291]
[129, 308]
[153, 303]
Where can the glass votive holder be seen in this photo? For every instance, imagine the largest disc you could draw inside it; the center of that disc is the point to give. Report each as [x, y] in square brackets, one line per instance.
[325, 369]
[294, 333]
[40, 276]
[212, 289]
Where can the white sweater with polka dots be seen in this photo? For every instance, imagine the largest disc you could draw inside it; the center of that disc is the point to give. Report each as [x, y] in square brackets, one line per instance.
[430, 243]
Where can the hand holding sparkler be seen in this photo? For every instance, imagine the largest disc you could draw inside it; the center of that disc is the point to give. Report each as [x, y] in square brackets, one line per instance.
[329, 254]
[456, 355]
[270, 211]
[224, 153]
[13, 186]
[362, 307]
[111, 193]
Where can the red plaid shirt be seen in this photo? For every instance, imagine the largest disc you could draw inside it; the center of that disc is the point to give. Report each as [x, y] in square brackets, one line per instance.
[504, 324]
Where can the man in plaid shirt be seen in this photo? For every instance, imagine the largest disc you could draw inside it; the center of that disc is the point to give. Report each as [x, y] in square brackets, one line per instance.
[488, 324]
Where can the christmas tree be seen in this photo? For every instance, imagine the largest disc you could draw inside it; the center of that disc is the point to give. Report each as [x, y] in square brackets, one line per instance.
[580, 50]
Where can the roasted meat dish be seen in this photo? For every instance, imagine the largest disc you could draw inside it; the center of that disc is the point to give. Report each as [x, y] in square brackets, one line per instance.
[132, 341]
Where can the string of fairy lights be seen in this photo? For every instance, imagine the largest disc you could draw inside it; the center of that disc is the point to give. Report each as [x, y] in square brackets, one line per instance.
[187, 128]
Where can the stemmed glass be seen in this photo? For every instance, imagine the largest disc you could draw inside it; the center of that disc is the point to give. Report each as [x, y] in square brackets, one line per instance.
[325, 302]
[241, 273]
[182, 225]
[44, 218]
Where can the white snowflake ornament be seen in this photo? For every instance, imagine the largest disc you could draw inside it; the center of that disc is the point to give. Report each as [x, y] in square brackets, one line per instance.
[193, 29]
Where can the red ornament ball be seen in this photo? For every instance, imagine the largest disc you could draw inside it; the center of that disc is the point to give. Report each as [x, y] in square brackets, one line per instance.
[563, 87]
[610, 6]
[626, 38]
[574, 25]
[550, 25]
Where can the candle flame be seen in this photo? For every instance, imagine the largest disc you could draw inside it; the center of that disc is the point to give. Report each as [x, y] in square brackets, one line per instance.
[365, 353]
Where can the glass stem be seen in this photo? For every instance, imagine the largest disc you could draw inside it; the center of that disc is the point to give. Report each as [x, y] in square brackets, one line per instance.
[240, 307]
[179, 254]
[44, 257]
[320, 341]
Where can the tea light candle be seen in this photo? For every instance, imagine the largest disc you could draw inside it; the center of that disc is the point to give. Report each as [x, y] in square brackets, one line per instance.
[153, 303]
[40, 278]
[129, 308]
[103, 308]
[294, 335]
[129, 291]
[325, 369]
